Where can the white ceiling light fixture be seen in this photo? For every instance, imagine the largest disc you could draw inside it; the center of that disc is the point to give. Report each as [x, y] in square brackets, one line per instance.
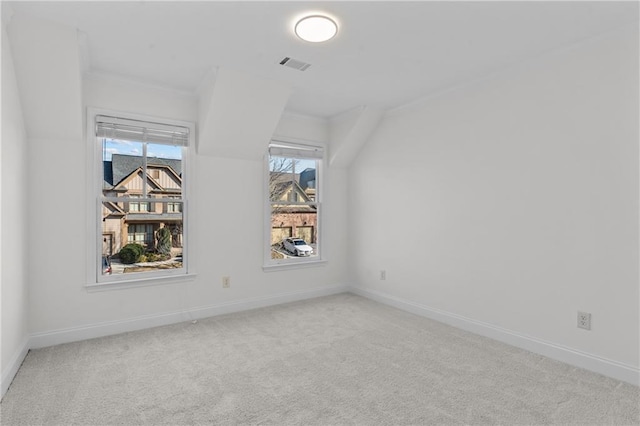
[316, 28]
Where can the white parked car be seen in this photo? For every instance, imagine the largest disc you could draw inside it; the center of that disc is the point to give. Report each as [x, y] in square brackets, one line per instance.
[297, 246]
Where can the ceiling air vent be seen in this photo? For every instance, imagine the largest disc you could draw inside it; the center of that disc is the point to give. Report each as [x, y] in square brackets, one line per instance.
[295, 64]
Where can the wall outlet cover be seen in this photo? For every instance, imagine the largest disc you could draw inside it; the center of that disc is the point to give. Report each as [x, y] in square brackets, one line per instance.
[584, 320]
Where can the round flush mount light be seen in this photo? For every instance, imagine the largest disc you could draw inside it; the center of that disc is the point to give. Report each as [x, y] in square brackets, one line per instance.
[316, 28]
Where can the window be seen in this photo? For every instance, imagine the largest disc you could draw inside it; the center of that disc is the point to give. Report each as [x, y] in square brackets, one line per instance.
[293, 203]
[140, 234]
[174, 207]
[138, 206]
[142, 195]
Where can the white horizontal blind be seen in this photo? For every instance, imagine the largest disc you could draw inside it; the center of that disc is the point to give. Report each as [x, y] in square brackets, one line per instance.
[142, 131]
[282, 149]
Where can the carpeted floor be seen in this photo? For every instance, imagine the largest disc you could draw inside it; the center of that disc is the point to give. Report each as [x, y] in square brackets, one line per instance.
[334, 360]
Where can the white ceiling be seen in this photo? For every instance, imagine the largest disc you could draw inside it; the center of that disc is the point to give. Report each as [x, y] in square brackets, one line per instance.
[386, 53]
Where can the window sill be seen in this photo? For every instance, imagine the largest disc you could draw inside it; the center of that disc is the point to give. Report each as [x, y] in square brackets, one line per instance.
[293, 265]
[139, 282]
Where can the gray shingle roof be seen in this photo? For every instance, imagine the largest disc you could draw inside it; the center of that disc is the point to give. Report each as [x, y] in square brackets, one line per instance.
[122, 165]
[108, 175]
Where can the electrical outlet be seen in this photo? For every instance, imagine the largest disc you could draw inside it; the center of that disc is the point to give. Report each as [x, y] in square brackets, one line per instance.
[584, 320]
[383, 275]
[226, 282]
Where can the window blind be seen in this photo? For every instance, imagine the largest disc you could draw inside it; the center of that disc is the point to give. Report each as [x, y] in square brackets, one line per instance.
[282, 149]
[142, 131]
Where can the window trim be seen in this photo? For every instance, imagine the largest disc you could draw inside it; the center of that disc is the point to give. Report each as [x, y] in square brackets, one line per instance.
[317, 151]
[94, 277]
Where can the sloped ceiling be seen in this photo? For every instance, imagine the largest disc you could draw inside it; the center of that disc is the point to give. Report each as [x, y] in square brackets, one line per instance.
[386, 54]
[224, 130]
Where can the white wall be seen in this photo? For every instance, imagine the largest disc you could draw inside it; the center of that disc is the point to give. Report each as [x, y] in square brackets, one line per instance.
[13, 224]
[48, 71]
[228, 231]
[512, 202]
[302, 127]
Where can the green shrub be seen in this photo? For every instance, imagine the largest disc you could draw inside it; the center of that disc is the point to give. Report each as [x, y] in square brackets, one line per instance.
[155, 257]
[163, 235]
[137, 247]
[131, 253]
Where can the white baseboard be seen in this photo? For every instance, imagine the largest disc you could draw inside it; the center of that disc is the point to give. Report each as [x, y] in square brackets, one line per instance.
[56, 337]
[606, 367]
[12, 369]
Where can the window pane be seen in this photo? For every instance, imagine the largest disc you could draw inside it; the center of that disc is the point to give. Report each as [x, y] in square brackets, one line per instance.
[128, 156]
[153, 227]
[164, 170]
[292, 179]
[111, 146]
[123, 162]
[294, 231]
[161, 151]
[158, 235]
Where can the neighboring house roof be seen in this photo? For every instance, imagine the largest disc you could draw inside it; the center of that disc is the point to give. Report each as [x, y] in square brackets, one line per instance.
[113, 208]
[121, 166]
[169, 170]
[280, 190]
[107, 168]
[123, 183]
[277, 177]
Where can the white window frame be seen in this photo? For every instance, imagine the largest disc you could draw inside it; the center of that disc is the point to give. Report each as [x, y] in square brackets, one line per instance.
[270, 264]
[95, 279]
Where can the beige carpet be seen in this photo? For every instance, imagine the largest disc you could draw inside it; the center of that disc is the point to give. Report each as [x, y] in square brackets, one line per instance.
[334, 360]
